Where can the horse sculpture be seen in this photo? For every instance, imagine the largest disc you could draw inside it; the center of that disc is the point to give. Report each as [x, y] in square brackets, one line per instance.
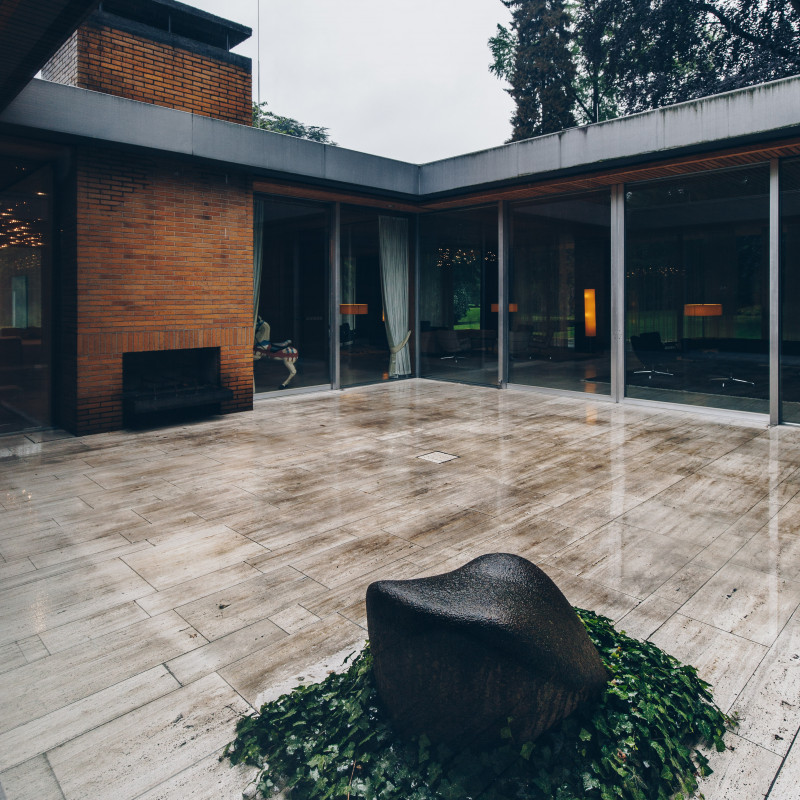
[276, 351]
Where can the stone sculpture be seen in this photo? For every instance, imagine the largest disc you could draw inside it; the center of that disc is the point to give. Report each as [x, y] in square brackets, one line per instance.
[456, 655]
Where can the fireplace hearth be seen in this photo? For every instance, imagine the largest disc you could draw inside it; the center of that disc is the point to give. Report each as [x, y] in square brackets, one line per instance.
[163, 383]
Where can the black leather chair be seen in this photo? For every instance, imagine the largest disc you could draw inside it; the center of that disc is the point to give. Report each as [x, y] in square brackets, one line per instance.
[655, 356]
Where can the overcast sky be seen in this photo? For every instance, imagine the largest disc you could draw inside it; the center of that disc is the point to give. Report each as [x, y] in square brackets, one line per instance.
[408, 80]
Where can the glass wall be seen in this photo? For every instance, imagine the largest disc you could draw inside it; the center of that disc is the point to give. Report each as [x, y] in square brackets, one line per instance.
[697, 289]
[790, 290]
[375, 323]
[560, 293]
[291, 282]
[25, 277]
[458, 295]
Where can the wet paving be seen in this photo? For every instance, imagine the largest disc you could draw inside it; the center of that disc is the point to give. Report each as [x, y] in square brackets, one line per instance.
[156, 585]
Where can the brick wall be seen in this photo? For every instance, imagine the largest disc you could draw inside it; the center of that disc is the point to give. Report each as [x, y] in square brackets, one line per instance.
[112, 61]
[164, 255]
[63, 66]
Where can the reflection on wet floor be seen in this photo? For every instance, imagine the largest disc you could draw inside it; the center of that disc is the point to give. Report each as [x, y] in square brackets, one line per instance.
[154, 581]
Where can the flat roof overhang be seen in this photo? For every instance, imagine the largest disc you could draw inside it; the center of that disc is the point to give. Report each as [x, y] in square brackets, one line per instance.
[763, 113]
[30, 32]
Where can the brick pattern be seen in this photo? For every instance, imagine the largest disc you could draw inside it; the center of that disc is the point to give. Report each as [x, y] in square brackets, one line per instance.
[116, 62]
[165, 260]
[63, 66]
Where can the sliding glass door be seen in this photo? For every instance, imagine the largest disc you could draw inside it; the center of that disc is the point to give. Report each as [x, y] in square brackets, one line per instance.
[697, 289]
[560, 293]
[291, 287]
[458, 296]
[375, 324]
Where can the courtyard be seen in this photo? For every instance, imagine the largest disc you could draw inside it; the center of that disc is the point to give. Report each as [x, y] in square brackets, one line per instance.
[156, 585]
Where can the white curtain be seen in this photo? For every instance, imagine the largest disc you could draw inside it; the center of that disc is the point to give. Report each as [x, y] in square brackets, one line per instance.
[393, 234]
[258, 253]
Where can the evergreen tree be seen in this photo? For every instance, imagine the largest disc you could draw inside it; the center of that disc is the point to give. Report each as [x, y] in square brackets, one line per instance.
[754, 42]
[542, 73]
[634, 55]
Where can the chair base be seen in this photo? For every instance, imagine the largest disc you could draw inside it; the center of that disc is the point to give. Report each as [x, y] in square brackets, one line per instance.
[731, 379]
[651, 372]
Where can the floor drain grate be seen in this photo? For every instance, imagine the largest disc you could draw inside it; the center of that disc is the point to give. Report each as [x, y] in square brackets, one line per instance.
[437, 457]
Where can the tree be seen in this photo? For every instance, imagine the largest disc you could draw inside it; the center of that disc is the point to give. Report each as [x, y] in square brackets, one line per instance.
[755, 41]
[542, 72]
[268, 121]
[634, 55]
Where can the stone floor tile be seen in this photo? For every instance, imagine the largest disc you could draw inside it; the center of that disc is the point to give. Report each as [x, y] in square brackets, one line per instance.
[344, 562]
[168, 565]
[590, 594]
[182, 593]
[226, 650]
[543, 476]
[42, 734]
[33, 780]
[169, 735]
[92, 626]
[66, 597]
[722, 659]
[294, 618]
[31, 691]
[644, 620]
[769, 706]
[743, 772]
[687, 525]
[684, 583]
[250, 601]
[286, 659]
[625, 558]
[787, 780]
[745, 601]
[11, 656]
[211, 778]
[33, 648]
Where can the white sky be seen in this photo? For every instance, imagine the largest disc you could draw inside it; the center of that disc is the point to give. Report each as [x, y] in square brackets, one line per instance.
[408, 80]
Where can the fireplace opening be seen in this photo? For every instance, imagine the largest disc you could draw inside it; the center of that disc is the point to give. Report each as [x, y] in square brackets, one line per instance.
[165, 386]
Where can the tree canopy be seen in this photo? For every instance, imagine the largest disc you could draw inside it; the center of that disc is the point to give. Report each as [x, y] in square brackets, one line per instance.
[573, 62]
[268, 121]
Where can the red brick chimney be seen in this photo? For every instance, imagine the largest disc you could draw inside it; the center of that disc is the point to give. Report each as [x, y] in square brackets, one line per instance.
[161, 52]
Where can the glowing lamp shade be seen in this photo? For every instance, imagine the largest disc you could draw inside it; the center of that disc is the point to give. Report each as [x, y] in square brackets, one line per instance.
[353, 308]
[702, 310]
[589, 312]
[512, 307]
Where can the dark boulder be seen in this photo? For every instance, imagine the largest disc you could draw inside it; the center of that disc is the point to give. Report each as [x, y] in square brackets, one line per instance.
[456, 655]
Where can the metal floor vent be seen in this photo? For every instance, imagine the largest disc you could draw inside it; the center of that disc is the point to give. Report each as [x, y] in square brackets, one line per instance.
[437, 457]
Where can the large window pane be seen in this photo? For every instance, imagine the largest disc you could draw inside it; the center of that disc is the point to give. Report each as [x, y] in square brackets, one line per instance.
[25, 315]
[790, 290]
[559, 303]
[696, 289]
[374, 315]
[293, 292]
[458, 295]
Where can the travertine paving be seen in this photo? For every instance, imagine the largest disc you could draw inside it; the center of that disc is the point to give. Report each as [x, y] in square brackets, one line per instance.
[156, 585]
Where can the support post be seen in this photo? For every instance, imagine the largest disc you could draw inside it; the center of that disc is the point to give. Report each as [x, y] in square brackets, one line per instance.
[774, 293]
[618, 292]
[336, 294]
[502, 293]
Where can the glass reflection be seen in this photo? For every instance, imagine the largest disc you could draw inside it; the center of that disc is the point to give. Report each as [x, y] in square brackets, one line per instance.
[375, 339]
[292, 290]
[559, 311]
[696, 289]
[458, 289]
[25, 316]
[790, 290]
